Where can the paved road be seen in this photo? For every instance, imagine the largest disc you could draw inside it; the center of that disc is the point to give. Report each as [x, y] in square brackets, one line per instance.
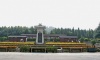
[49, 56]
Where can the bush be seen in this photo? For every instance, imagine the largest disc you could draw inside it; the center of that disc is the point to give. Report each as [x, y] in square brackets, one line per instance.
[52, 49]
[24, 48]
[32, 39]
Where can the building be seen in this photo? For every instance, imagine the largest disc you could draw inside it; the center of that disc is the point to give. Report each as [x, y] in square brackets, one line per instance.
[48, 37]
[53, 37]
[68, 38]
[17, 38]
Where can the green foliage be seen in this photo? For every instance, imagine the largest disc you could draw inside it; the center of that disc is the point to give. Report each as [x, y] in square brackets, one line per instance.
[93, 42]
[86, 39]
[3, 38]
[97, 32]
[45, 39]
[31, 39]
[81, 39]
[51, 39]
[52, 49]
[98, 40]
[74, 32]
[56, 40]
[24, 48]
[17, 30]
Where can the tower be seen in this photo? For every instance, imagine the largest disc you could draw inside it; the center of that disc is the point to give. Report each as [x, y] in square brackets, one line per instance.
[40, 36]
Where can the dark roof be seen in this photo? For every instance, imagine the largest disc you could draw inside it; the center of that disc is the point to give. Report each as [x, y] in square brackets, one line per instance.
[68, 37]
[28, 34]
[44, 35]
[16, 36]
[51, 35]
[54, 35]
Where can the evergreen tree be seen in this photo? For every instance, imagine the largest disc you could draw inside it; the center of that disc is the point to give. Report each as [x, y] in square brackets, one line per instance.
[97, 32]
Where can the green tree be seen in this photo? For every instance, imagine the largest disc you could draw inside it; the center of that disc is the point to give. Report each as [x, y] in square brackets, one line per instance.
[93, 42]
[3, 39]
[97, 32]
[81, 39]
[86, 39]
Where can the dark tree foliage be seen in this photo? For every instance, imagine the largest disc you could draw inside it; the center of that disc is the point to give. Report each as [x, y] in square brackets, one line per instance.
[74, 32]
[17, 30]
[97, 32]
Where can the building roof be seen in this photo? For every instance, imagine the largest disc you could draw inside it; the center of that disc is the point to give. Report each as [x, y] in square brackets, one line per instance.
[68, 36]
[48, 35]
[28, 34]
[17, 36]
[52, 35]
[44, 35]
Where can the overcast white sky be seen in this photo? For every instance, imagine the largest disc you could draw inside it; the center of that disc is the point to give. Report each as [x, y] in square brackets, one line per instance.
[84, 14]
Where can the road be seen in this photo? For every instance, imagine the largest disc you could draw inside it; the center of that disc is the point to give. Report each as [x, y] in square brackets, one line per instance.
[48, 56]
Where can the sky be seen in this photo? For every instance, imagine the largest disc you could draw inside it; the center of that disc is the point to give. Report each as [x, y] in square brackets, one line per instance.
[84, 14]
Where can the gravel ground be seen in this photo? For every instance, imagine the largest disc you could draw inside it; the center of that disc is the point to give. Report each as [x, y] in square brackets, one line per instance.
[48, 56]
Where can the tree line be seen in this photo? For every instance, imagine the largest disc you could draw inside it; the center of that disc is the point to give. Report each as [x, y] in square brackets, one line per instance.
[74, 32]
[18, 30]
